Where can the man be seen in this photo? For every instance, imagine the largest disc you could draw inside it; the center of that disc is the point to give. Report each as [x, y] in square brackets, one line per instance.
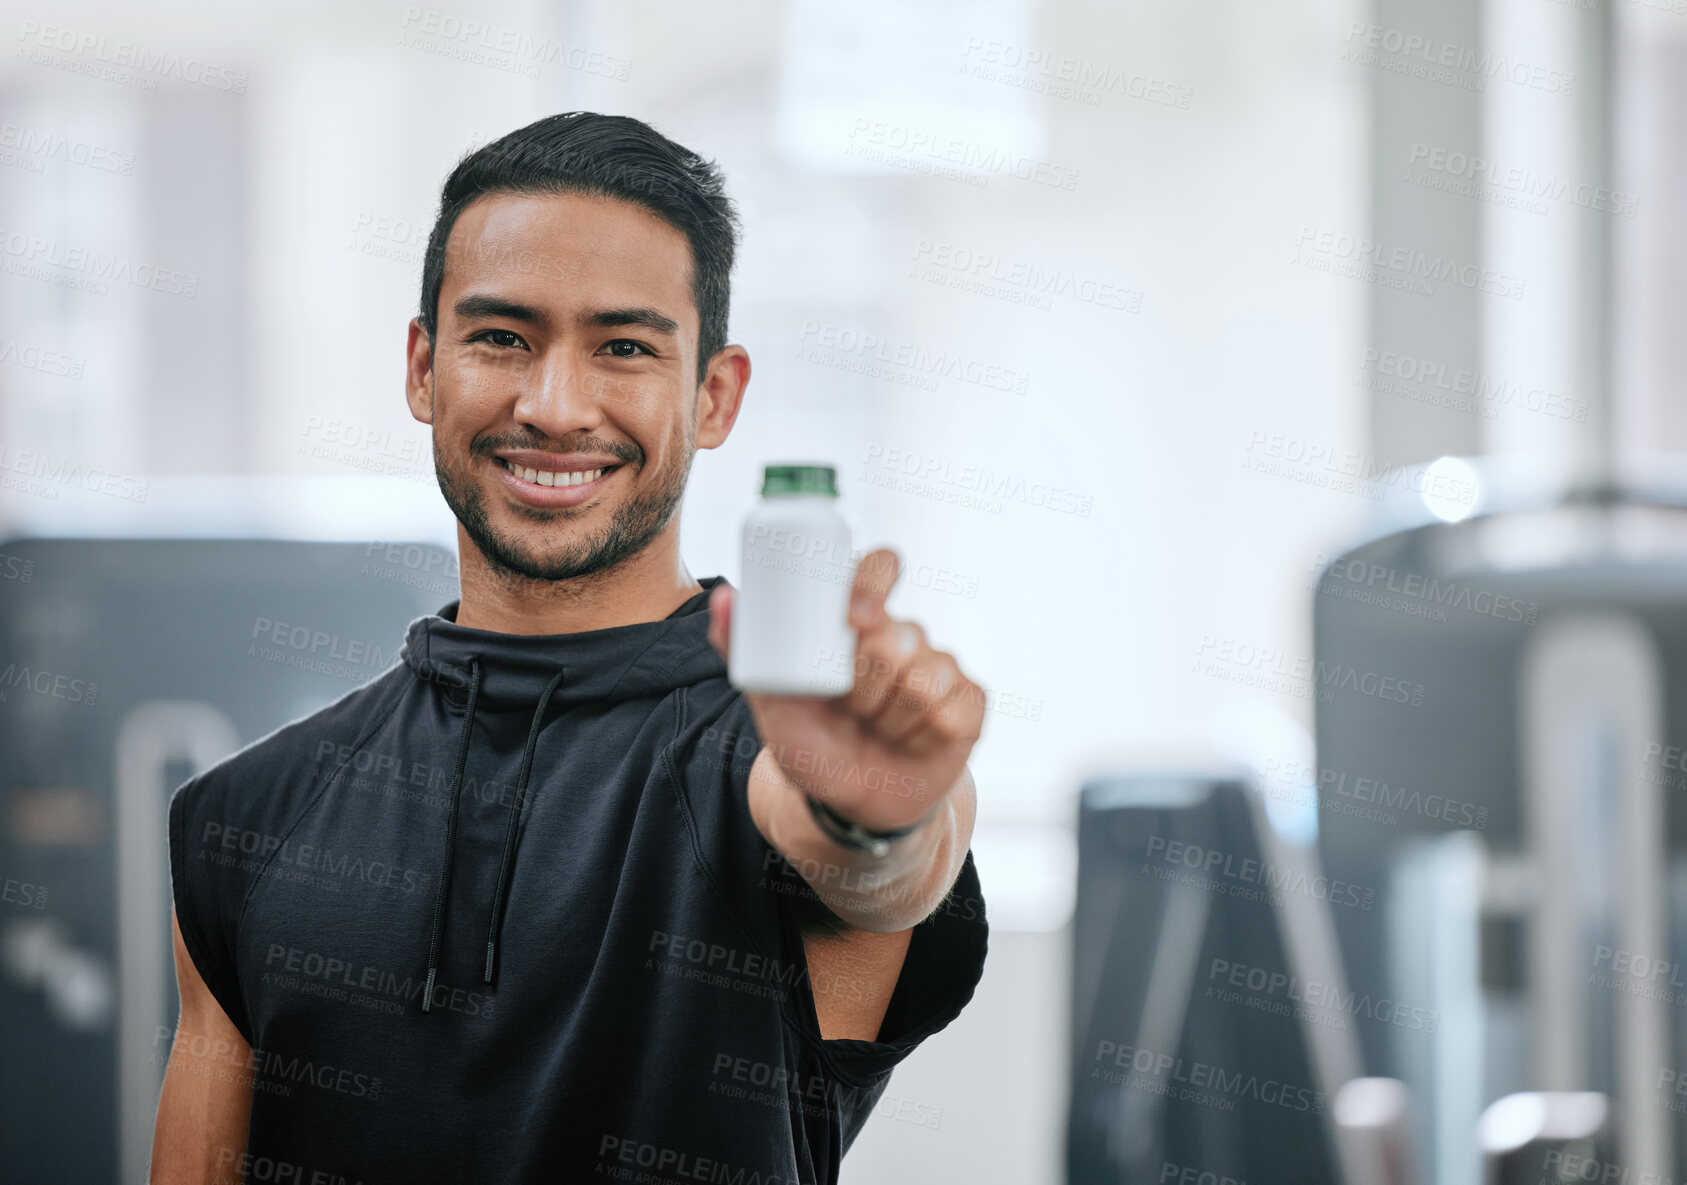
[549, 900]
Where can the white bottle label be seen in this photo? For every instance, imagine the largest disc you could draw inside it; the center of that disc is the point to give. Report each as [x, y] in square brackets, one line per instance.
[790, 627]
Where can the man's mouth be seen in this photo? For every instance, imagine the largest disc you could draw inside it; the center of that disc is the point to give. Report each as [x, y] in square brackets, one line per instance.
[556, 477]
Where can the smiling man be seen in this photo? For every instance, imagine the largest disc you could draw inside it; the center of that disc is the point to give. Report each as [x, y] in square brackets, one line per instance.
[548, 899]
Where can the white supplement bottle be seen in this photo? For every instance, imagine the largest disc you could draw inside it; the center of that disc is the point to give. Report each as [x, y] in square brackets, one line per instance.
[790, 617]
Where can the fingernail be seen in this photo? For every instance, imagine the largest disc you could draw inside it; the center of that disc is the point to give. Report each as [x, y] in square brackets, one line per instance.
[908, 639]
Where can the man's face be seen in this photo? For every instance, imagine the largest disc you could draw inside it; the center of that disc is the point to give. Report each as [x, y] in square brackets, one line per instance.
[563, 392]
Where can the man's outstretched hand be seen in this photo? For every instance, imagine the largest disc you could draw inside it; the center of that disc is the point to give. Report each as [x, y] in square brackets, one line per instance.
[886, 752]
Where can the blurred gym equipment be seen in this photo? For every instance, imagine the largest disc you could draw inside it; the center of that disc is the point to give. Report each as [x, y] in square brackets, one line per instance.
[126, 665]
[1496, 744]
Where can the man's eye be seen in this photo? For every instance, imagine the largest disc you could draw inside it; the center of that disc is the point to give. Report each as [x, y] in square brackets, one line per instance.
[624, 347]
[498, 337]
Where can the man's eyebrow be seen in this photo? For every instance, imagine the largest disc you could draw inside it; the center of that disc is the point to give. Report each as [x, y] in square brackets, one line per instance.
[470, 308]
[649, 318]
[480, 305]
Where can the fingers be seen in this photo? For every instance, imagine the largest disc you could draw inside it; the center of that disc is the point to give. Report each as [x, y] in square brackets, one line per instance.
[910, 694]
[874, 576]
[955, 716]
[881, 654]
[920, 687]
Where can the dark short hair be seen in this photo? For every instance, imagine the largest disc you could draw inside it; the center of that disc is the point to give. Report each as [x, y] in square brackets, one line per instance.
[612, 156]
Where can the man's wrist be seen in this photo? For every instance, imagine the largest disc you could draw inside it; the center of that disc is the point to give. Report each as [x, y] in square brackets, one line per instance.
[847, 833]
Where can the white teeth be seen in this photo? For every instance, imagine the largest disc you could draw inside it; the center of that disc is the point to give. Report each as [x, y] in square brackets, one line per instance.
[546, 477]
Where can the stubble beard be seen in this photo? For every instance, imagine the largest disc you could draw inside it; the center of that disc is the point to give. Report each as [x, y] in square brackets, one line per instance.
[633, 525]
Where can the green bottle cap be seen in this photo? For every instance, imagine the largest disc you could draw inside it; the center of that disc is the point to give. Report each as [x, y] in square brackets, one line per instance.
[799, 479]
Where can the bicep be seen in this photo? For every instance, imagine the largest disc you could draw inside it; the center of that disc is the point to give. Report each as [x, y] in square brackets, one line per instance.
[853, 975]
[206, 1102]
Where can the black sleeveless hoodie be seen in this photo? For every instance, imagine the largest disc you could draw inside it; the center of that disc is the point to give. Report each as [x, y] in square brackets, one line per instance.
[501, 915]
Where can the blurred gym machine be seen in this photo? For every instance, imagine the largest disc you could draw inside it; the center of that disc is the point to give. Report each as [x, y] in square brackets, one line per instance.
[1199, 935]
[1507, 1004]
[1520, 821]
[127, 665]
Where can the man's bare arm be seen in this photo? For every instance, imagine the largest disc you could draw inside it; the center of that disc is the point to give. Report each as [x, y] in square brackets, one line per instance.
[854, 973]
[206, 1103]
[883, 894]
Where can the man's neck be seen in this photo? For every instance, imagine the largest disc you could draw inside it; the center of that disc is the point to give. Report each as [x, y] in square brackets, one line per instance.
[647, 587]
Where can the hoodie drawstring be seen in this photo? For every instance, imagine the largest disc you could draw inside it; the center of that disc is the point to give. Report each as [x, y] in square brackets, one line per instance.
[509, 832]
[450, 837]
[515, 813]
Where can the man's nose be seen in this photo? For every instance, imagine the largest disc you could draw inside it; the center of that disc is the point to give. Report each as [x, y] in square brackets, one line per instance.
[561, 396]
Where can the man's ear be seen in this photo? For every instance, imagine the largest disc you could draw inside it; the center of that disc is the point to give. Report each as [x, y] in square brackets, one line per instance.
[418, 372]
[721, 394]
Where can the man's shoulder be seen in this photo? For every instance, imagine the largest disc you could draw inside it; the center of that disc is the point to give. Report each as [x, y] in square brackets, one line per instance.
[716, 729]
[266, 773]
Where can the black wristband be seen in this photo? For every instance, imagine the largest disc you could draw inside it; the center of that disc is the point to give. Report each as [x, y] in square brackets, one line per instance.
[848, 834]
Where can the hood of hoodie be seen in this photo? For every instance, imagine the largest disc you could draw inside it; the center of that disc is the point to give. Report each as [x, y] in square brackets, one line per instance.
[623, 662]
[482, 671]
